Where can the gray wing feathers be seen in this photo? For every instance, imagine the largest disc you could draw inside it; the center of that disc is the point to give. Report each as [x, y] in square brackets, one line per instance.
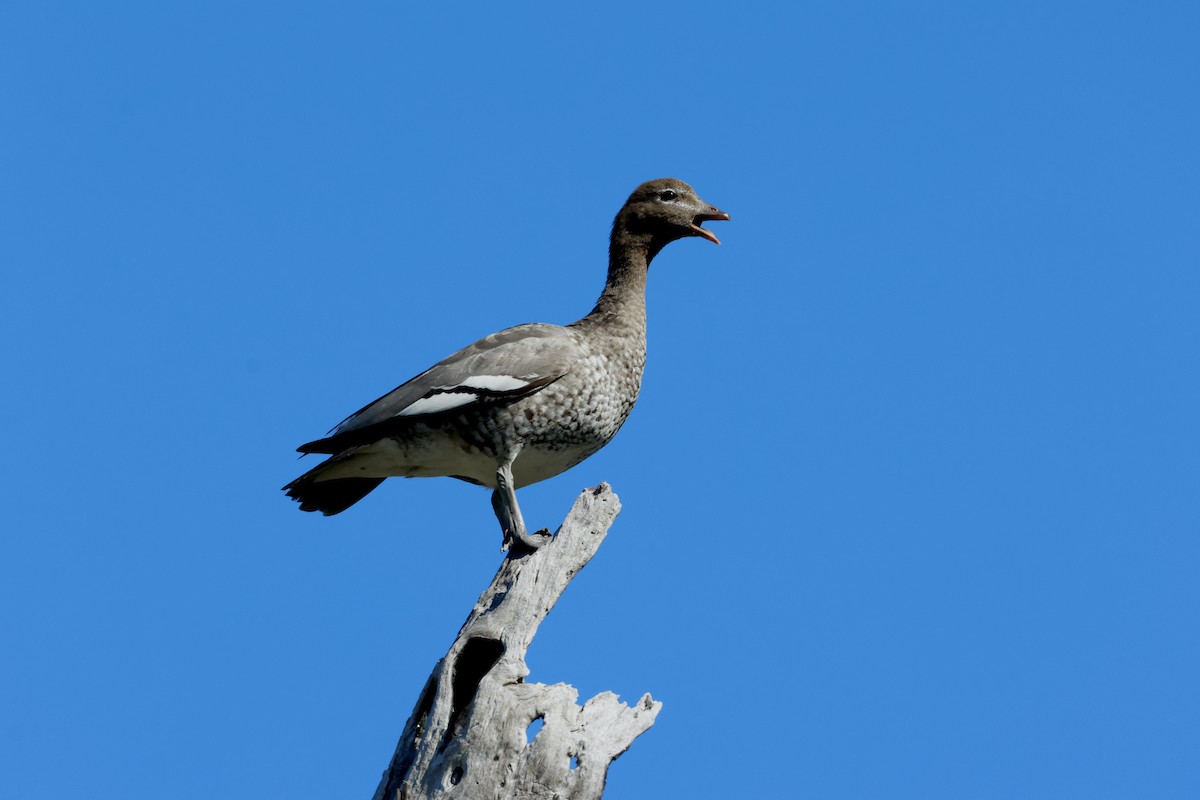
[510, 364]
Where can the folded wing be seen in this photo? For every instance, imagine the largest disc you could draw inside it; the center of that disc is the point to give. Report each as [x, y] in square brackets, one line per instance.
[503, 367]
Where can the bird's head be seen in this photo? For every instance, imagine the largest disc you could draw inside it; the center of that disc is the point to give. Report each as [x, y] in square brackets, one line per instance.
[663, 210]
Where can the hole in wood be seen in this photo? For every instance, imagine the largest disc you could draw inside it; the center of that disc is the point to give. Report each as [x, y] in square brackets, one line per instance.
[574, 761]
[456, 776]
[475, 660]
[534, 728]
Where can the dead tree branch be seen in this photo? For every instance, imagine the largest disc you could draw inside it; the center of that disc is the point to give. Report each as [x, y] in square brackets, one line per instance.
[467, 737]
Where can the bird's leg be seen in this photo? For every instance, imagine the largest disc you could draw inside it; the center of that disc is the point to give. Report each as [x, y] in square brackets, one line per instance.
[504, 502]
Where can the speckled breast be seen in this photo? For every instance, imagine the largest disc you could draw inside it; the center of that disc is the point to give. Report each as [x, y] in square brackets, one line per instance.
[576, 416]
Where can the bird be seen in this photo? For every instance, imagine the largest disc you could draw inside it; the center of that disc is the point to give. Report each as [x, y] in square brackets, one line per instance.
[521, 405]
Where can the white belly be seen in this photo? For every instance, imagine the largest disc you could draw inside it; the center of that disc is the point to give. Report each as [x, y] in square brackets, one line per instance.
[389, 459]
[535, 464]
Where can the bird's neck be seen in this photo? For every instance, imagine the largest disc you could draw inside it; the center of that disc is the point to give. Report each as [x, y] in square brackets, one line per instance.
[622, 304]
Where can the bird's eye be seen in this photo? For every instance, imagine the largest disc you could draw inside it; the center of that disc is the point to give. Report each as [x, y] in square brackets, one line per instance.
[667, 194]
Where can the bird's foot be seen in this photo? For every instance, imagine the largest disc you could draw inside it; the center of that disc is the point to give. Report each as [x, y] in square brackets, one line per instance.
[508, 514]
[522, 540]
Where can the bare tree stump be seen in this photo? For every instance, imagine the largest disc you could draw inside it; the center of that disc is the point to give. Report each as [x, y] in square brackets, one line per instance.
[467, 737]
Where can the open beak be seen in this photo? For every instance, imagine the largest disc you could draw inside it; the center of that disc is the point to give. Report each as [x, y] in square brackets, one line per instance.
[712, 214]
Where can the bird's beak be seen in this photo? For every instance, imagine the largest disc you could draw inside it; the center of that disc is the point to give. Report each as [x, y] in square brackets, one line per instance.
[709, 214]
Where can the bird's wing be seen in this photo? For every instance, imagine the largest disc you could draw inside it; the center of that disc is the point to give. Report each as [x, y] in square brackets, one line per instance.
[505, 366]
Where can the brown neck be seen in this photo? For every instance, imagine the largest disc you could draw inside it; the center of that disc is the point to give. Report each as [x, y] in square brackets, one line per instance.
[623, 301]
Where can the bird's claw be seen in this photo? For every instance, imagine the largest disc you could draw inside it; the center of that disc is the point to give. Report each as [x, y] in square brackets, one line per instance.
[523, 540]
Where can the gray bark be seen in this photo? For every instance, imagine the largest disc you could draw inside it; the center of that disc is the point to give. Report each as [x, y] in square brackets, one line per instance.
[467, 737]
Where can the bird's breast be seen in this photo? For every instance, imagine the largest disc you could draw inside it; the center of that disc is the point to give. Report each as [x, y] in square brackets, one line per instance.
[576, 416]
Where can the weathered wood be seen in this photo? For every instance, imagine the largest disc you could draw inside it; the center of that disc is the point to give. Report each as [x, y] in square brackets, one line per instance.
[468, 736]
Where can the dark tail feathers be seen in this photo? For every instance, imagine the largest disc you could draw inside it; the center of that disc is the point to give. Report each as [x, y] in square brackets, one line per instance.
[331, 496]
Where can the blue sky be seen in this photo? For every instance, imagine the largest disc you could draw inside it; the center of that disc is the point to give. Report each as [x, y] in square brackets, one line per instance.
[910, 496]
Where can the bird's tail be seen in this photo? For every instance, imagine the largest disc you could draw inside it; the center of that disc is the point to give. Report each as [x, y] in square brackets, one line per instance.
[330, 496]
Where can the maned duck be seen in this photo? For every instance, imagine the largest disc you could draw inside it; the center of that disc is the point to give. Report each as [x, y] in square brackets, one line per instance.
[521, 405]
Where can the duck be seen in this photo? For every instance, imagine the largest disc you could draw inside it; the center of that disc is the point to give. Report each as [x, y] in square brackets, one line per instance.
[524, 404]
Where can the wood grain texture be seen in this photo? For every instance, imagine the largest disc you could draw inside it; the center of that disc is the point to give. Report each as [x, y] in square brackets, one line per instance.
[468, 735]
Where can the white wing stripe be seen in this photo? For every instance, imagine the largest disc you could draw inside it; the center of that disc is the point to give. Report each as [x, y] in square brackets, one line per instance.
[444, 398]
[493, 383]
[438, 402]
